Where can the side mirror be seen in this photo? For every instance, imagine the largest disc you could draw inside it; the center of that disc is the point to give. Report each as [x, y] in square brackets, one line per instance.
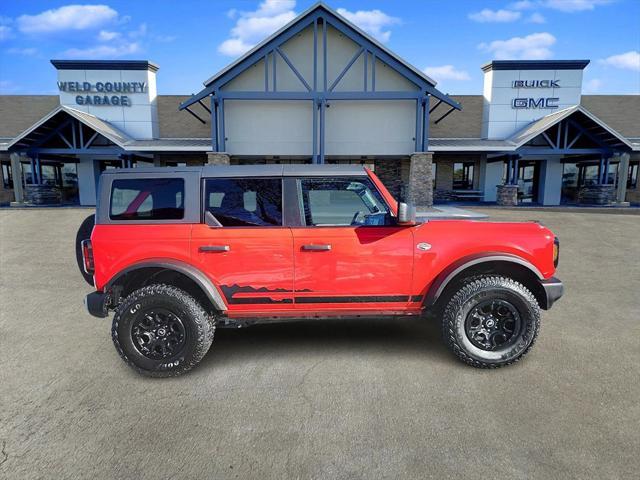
[406, 214]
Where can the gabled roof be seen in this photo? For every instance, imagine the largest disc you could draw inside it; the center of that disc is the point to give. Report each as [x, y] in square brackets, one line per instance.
[302, 21]
[109, 131]
[301, 17]
[103, 127]
[537, 127]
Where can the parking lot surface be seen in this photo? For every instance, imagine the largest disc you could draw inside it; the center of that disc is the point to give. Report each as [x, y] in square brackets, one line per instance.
[326, 399]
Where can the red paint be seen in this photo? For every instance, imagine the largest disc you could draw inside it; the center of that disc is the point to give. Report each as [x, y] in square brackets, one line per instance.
[266, 272]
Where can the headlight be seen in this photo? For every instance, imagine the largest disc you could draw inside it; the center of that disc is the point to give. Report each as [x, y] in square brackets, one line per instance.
[556, 251]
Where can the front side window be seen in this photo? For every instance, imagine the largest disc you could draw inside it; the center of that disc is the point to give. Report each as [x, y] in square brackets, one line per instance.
[245, 202]
[342, 202]
[147, 199]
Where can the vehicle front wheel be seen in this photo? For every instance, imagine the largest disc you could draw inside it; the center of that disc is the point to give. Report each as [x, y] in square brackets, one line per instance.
[161, 331]
[491, 321]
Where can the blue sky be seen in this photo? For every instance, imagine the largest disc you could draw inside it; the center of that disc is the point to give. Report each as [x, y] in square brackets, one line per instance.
[449, 39]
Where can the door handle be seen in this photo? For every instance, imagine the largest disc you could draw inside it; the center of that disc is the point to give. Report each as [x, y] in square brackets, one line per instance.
[316, 248]
[214, 248]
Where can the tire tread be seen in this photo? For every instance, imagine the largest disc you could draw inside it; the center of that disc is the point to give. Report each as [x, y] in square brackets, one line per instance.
[205, 325]
[470, 287]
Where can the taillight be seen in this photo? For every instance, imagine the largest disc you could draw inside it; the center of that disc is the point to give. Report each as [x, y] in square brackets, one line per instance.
[87, 256]
[556, 251]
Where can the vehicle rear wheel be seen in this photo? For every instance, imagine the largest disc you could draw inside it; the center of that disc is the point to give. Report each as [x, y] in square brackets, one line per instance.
[491, 321]
[84, 233]
[161, 331]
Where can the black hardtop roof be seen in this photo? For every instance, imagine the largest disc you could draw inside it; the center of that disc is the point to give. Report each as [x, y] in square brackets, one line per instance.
[288, 170]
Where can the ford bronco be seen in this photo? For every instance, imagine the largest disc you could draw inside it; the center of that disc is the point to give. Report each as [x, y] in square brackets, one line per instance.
[179, 252]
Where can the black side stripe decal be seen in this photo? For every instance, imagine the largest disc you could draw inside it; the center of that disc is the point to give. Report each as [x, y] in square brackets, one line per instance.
[358, 299]
[230, 290]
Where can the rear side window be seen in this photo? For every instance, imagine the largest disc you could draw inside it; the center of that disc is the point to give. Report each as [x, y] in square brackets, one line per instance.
[244, 202]
[147, 199]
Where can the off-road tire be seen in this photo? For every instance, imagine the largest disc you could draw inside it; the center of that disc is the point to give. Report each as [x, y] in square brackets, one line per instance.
[198, 324]
[472, 292]
[84, 233]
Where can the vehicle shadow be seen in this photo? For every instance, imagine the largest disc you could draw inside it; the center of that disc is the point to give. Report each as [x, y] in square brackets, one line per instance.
[397, 338]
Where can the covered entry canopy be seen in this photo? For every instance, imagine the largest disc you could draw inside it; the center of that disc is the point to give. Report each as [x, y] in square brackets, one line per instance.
[572, 130]
[69, 131]
[318, 58]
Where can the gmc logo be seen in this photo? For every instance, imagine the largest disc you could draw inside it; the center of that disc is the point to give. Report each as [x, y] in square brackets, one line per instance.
[550, 102]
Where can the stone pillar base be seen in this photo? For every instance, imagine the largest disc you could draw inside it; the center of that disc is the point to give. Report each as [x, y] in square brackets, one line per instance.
[507, 195]
[597, 195]
[218, 158]
[420, 185]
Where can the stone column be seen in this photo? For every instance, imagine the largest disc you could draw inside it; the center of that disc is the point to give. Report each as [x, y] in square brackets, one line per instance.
[507, 195]
[16, 173]
[420, 187]
[218, 158]
[623, 172]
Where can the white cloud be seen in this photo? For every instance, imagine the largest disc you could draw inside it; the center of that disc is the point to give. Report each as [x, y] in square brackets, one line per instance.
[522, 5]
[532, 47]
[501, 16]
[536, 18]
[627, 61]
[6, 32]
[107, 36]
[562, 5]
[374, 22]
[69, 17]
[104, 51]
[446, 72]
[251, 27]
[594, 85]
[574, 5]
[27, 52]
[139, 32]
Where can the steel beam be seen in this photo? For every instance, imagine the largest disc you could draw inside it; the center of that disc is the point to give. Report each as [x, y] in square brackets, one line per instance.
[293, 69]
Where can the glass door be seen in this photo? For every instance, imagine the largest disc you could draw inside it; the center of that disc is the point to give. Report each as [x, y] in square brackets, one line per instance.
[528, 174]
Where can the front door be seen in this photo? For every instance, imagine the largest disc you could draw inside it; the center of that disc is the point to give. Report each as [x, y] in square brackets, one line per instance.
[528, 174]
[349, 255]
[243, 246]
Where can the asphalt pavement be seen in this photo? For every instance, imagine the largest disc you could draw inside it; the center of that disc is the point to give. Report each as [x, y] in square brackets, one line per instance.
[327, 399]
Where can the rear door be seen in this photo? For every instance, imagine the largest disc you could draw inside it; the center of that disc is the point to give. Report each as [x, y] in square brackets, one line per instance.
[349, 255]
[245, 249]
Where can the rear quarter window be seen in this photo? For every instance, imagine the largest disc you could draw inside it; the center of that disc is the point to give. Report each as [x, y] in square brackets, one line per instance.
[147, 199]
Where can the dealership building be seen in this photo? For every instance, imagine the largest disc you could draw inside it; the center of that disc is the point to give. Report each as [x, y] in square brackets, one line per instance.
[320, 90]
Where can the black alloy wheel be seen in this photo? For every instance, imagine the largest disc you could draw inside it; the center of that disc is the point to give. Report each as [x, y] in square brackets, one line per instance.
[162, 331]
[493, 324]
[158, 333]
[490, 321]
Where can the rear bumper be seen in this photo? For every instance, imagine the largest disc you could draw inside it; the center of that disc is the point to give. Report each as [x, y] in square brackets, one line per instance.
[96, 303]
[553, 289]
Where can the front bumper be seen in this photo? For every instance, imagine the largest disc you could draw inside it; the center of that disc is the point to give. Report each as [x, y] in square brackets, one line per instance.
[553, 289]
[96, 303]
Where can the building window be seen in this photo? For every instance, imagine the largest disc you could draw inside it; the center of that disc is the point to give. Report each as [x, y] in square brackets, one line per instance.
[463, 175]
[632, 177]
[434, 174]
[7, 178]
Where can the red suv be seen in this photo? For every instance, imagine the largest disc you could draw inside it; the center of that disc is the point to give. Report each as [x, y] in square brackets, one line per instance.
[178, 252]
